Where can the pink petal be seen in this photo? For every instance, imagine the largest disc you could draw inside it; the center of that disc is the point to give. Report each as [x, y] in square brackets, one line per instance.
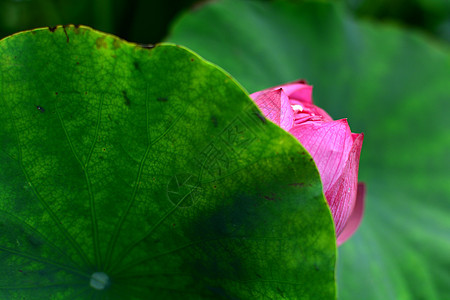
[329, 144]
[341, 197]
[323, 114]
[274, 104]
[355, 217]
[297, 91]
[309, 112]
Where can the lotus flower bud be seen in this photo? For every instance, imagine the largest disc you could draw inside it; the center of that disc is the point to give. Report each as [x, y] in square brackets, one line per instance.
[333, 147]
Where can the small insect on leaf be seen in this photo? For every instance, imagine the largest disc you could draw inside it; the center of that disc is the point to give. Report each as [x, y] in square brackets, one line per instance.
[40, 108]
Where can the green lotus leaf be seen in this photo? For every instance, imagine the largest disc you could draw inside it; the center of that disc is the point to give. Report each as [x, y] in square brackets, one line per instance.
[148, 173]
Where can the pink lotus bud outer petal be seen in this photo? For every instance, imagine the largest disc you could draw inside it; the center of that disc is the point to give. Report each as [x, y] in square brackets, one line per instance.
[275, 105]
[298, 92]
[324, 114]
[329, 144]
[355, 217]
[341, 197]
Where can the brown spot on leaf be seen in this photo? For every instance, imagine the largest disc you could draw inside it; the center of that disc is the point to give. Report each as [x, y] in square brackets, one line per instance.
[101, 43]
[65, 32]
[52, 28]
[116, 44]
[76, 28]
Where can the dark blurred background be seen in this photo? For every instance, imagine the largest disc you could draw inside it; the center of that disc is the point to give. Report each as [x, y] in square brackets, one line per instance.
[143, 21]
[148, 21]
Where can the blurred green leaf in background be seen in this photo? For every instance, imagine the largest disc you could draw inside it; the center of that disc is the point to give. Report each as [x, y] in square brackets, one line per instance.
[432, 16]
[393, 85]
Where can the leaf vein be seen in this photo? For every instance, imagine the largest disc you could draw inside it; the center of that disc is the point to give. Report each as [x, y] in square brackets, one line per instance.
[35, 192]
[139, 174]
[44, 261]
[89, 186]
